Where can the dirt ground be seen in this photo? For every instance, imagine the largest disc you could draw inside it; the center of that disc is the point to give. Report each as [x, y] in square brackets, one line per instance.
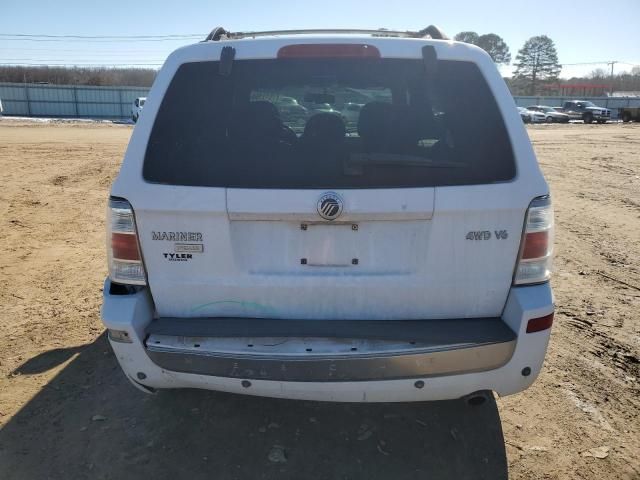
[67, 412]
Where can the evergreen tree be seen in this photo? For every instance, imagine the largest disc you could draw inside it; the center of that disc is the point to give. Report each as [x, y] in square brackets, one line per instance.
[496, 47]
[491, 43]
[537, 61]
[467, 37]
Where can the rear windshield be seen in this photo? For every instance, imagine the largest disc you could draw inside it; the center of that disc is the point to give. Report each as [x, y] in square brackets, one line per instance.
[291, 123]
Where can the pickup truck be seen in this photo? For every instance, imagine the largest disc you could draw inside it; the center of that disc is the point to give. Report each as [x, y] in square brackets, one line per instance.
[586, 111]
[629, 113]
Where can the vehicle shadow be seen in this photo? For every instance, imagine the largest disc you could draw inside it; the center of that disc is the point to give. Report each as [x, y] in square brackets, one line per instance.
[89, 422]
[46, 360]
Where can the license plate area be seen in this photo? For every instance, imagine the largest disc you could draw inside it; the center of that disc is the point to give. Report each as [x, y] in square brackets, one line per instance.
[329, 245]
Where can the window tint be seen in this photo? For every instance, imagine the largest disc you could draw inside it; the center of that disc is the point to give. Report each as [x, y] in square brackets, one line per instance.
[286, 123]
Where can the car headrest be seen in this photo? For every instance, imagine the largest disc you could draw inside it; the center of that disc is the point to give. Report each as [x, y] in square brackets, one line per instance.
[264, 115]
[406, 127]
[259, 119]
[324, 128]
[374, 124]
[374, 119]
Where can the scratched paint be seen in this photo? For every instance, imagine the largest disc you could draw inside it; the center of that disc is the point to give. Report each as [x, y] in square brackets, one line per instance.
[244, 304]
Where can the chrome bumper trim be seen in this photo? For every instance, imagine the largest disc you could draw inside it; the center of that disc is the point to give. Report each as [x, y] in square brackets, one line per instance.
[376, 362]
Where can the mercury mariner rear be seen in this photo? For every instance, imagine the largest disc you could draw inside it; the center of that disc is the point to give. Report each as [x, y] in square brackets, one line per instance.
[261, 241]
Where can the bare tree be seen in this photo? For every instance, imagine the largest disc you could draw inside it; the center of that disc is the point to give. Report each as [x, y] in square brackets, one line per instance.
[139, 77]
[598, 73]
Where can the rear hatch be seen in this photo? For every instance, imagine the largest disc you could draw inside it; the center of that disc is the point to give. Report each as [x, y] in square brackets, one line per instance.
[410, 211]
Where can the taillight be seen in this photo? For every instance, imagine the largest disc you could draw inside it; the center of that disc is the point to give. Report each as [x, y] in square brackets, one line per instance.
[534, 261]
[125, 262]
[329, 50]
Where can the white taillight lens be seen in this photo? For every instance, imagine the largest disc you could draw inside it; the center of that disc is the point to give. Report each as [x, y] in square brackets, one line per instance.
[125, 262]
[534, 262]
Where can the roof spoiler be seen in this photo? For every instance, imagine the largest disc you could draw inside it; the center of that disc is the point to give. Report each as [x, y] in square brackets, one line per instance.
[219, 33]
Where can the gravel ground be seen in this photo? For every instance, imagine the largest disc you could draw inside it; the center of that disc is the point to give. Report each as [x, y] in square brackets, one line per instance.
[66, 410]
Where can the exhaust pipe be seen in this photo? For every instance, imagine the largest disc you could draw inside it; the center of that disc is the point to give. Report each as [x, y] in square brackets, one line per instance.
[478, 398]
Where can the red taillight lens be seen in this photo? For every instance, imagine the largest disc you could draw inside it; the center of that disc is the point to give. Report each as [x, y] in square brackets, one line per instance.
[540, 323]
[536, 245]
[329, 50]
[125, 261]
[125, 246]
[534, 262]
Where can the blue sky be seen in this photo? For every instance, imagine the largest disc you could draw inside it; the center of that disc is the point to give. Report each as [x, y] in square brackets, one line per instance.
[584, 31]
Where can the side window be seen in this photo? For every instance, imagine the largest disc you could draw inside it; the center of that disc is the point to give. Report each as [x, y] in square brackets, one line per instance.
[136, 102]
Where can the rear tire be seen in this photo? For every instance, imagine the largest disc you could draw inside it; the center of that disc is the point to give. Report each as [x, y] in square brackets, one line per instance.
[588, 118]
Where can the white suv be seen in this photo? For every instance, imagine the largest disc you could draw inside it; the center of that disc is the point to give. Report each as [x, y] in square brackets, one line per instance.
[403, 257]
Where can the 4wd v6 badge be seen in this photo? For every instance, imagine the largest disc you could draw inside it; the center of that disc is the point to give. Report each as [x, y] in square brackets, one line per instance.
[486, 235]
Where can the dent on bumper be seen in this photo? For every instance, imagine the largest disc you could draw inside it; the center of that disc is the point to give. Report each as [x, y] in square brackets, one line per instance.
[134, 312]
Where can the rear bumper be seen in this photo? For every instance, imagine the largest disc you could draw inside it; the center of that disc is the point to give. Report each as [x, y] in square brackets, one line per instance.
[601, 116]
[328, 351]
[489, 354]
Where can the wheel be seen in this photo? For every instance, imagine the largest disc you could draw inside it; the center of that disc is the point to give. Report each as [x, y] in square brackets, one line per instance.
[135, 118]
[549, 119]
[626, 117]
[588, 118]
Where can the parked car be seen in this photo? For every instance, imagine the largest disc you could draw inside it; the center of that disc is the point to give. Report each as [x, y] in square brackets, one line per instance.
[551, 115]
[408, 261]
[525, 115]
[290, 108]
[322, 108]
[136, 109]
[531, 116]
[629, 113]
[586, 111]
[351, 111]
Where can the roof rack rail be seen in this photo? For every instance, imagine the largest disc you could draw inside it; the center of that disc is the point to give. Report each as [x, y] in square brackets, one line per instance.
[219, 33]
[216, 34]
[434, 32]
